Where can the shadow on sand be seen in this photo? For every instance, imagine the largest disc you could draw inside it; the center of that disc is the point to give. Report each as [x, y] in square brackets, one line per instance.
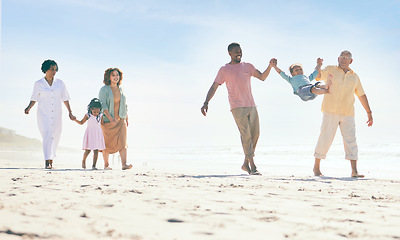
[326, 179]
[51, 170]
[215, 176]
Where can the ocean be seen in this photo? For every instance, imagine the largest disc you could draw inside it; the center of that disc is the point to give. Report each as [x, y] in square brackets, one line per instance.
[376, 160]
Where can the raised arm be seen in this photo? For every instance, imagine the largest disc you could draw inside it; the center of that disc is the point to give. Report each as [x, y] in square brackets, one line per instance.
[264, 75]
[364, 102]
[275, 65]
[84, 119]
[319, 65]
[280, 72]
[210, 94]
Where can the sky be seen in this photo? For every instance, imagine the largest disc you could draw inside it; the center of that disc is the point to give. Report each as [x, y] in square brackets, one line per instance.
[170, 52]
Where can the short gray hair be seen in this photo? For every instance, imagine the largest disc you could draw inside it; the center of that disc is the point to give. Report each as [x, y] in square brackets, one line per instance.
[346, 52]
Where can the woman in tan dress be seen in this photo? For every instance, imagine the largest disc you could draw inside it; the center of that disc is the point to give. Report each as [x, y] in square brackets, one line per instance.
[115, 119]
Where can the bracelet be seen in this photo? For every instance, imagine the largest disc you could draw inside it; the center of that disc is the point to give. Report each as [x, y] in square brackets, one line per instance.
[369, 112]
[205, 103]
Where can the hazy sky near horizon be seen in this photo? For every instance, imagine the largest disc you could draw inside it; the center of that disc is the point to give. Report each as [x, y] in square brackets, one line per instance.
[171, 51]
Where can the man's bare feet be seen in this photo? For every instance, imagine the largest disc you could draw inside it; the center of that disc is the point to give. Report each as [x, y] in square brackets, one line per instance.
[83, 164]
[246, 168]
[317, 172]
[354, 171]
[107, 168]
[255, 172]
[356, 175]
[126, 167]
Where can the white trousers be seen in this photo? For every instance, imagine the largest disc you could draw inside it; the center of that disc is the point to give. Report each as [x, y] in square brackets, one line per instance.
[329, 126]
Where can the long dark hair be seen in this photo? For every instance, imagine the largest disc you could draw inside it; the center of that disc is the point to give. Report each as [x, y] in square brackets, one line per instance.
[94, 103]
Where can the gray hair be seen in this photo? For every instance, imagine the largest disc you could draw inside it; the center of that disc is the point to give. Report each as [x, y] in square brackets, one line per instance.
[346, 52]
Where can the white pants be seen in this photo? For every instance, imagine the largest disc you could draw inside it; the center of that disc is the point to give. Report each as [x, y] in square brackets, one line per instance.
[329, 126]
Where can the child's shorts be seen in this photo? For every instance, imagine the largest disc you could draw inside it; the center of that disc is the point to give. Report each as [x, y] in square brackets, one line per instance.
[305, 93]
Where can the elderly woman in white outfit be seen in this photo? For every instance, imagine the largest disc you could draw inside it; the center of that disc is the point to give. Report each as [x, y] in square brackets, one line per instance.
[50, 92]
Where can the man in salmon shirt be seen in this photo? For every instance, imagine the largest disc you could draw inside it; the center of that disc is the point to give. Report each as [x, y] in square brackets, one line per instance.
[338, 110]
[236, 75]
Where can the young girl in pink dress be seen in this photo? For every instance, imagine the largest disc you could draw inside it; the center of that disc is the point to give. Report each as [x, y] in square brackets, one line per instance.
[93, 138]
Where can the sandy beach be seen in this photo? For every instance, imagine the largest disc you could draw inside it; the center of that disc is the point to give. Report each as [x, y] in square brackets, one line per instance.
[150, 203]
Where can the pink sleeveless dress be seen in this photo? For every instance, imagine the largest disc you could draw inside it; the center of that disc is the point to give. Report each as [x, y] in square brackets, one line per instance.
[93, 138]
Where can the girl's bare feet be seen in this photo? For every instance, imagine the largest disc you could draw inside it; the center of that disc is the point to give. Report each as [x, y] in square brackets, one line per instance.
[83, 164]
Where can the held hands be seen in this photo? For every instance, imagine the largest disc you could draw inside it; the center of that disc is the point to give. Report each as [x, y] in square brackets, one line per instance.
[204, 109]
[319, 62]
[113, 121]
[71, 116]
[273, 62]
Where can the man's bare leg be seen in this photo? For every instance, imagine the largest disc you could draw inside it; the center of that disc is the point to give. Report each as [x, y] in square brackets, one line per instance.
[317, 171]
[105, 157]
[245, 166]
[354, 172]
[253, 168]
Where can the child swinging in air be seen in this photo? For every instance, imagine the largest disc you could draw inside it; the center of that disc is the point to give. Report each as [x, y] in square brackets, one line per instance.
[93, 138]
[301, 84]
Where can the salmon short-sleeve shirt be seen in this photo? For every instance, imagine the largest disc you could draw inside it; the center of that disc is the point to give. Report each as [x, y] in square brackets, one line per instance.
[344, 87]
[237, 80]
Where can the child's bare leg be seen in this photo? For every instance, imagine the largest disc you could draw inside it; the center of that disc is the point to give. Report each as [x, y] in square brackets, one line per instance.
[245, 166]
[319, 90]
[85, 155]
[323, 88]
[95, 156]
